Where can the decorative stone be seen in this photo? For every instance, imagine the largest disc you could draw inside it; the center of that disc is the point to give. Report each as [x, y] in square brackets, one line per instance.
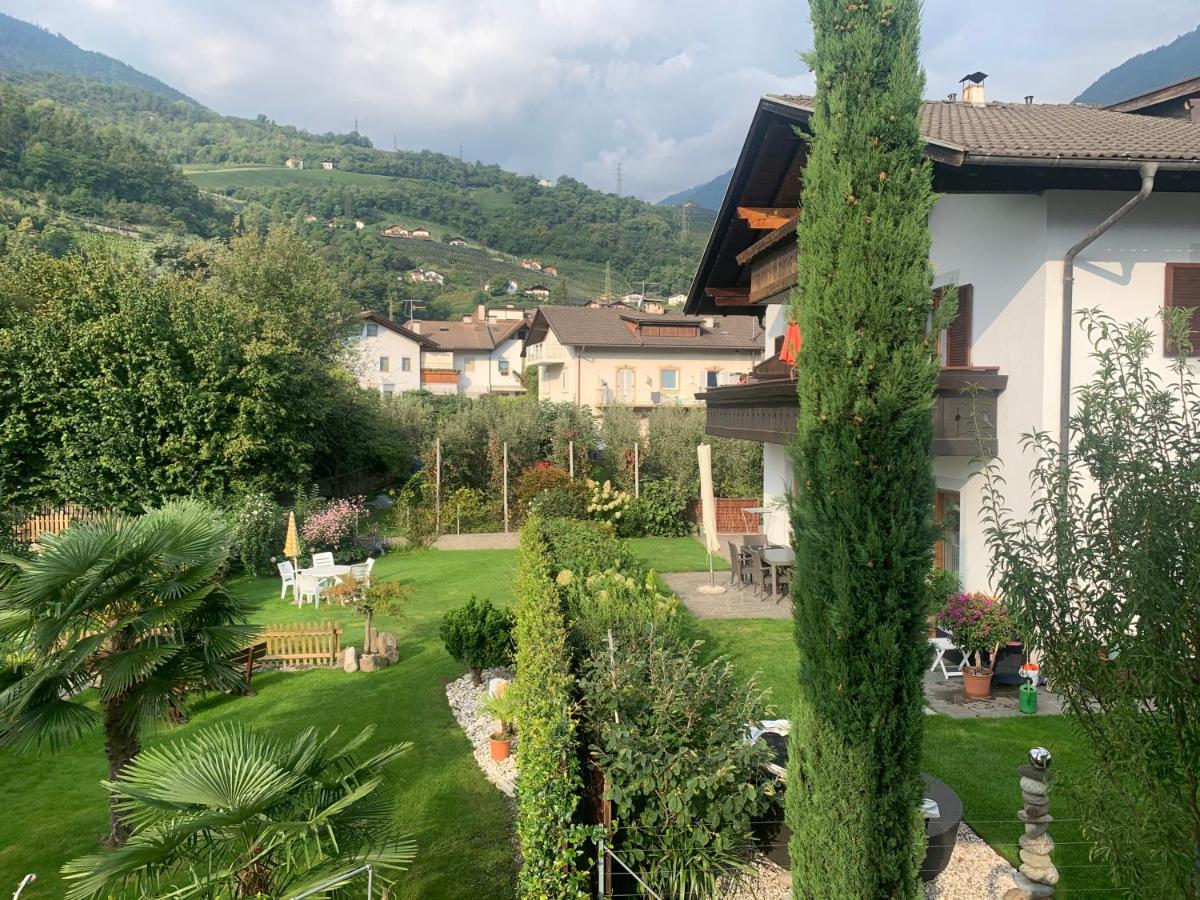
[372, 662]
[350, 659]
[1036, 860]
[1036, 806]
[1036, 830]
[1046, 876]
[1015, 894]
[1032, 786]
[1032, 888]
[388, 647]
[1031, 818]
[1036, 843]
[1028, 771]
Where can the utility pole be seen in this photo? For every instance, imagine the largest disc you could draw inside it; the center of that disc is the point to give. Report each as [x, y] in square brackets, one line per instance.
[460, 156]
[607, 280]
[620, 180]
[356, 124]
[395, 146]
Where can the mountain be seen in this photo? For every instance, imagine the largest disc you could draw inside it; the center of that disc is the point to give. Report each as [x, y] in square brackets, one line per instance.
[25, 47]
[1155, 68]
[708, 195]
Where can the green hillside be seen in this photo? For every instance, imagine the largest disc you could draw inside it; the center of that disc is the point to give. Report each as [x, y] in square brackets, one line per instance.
[224, 178]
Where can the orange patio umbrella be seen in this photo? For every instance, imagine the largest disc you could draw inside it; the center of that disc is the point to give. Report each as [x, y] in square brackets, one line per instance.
[291, 544]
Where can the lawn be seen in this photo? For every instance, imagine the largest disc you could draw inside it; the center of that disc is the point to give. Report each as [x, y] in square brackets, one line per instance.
[461, 823]
[681, 554]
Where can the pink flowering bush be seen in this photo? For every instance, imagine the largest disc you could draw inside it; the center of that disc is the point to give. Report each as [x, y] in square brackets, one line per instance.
[335, 526]
[979, 623]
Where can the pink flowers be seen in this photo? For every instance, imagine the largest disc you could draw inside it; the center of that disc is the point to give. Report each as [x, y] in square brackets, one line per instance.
[978, 622]
[334, 526]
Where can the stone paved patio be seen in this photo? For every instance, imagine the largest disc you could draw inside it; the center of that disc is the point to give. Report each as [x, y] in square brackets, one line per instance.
[733, 604]
[946, 697]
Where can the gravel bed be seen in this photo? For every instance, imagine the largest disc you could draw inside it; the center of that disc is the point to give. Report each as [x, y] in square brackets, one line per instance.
[976, 871]
[465, 699]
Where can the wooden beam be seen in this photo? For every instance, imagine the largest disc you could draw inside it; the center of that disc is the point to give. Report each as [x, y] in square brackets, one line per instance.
[766, 242]
[729, 296]
[766, 217]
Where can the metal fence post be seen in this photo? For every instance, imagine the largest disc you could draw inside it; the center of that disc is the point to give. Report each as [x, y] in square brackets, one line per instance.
[637, 469]
[600, 869]
[437, 454]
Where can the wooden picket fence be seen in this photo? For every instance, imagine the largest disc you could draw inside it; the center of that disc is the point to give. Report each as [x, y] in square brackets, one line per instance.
[302, 644]
[52, 520]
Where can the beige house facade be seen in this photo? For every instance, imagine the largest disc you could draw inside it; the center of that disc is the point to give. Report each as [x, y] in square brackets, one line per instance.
[386, 356]
[600, 357]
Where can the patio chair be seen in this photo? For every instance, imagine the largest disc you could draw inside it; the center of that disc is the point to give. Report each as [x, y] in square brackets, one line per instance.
[738, 558]
[308, 588]
[287, 578]
[753, 540]
[941, 645]
[322, 559]
[361, 572]
[758, 572]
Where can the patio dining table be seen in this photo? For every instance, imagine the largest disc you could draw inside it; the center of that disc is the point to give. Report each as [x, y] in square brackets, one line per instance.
[778, 559]
[327, 573]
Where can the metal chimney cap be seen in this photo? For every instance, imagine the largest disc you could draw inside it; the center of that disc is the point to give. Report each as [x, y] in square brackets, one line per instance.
[974, 78]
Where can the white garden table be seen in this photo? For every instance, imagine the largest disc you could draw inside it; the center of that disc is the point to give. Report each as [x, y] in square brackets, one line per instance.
[327, 573]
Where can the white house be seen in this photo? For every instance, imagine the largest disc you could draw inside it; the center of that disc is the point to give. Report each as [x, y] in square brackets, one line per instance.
[616, 356]
[457, 242]
[427, 276]
[387, 356]
[396, 231]
[327, 164]
[294, 162]
[420, 232]
[481, 354]
[1020, 184]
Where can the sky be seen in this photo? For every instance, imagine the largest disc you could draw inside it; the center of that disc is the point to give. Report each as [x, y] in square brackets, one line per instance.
[571, 87]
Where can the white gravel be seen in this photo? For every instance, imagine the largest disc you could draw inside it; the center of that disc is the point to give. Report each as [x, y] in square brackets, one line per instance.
[976, 871]
[465, 699]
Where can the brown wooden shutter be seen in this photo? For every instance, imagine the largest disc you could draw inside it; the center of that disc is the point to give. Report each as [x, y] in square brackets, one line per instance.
[1183, 292]
[958, 334]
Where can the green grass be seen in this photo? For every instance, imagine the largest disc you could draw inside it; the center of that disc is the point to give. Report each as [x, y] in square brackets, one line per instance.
[682, 554]
[462, 825]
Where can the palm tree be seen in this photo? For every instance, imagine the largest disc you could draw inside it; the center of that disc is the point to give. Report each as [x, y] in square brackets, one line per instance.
[133, 606]
[229, 813]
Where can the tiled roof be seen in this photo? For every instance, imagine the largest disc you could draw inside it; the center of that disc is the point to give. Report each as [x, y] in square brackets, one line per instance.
[469, 335]
[1063, 131]
[600, 327]
[370, 316]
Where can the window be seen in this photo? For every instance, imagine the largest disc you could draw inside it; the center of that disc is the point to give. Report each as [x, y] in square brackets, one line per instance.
[669, 379]
[388, 389]
[371, 330]
[406, 364]
[1183, 292]
[954, 344]
[502, 365]
[384, 365]
[947, 518]
[712, 378]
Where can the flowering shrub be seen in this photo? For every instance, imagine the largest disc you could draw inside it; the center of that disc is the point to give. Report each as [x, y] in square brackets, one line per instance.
[607, 503]
[979, 624]
[257, 530]
[334, 527]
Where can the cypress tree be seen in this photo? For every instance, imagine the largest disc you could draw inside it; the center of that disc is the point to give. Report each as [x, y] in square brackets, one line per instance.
[862, 509]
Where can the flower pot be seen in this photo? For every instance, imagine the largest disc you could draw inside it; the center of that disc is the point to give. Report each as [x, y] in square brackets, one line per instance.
[977, 685]
[501, 748]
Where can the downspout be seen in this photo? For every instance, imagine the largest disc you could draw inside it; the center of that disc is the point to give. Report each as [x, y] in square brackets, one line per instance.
[1147, 171]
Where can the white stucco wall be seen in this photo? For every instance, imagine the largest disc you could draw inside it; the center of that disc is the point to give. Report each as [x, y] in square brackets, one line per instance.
[777, 484]
[366, 352]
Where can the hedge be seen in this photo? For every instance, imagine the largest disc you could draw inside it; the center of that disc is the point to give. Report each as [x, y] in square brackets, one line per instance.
[549, 785]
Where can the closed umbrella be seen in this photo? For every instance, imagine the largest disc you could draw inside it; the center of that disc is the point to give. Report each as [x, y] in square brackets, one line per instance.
[291, 544]
[708, 514]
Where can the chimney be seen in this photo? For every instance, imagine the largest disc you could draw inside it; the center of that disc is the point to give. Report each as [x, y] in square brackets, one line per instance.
[709, 322]
[481, 312]
[1029, 99]
[972, 91]
[414, 326]
[952, 97]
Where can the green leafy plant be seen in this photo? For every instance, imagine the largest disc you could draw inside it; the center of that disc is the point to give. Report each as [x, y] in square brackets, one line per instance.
[661, 507]
[502, 707]
[1104, 577]
[537, 479]
[980, 624]
[478, 635]
[583, 547]
[940, 586]
[628, 605]
[135, 603]
[258, 525]
[230, 812]
[468, 510]
[607, 503]
[388, 598]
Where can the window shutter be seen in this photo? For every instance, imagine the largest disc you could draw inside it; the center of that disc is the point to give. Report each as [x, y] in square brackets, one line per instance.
[958, 334]
[1183, 292]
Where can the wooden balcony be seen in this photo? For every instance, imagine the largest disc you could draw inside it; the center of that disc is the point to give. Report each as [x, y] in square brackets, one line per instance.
[439, 376]
[964, 422]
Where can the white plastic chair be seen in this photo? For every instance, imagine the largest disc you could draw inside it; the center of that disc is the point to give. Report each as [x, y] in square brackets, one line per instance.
[308, 588]
[361, 572]
[941, 645]
[322, 559]
[287, 577]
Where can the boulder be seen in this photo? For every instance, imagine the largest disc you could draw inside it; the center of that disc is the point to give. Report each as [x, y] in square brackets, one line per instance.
[1046, 875]
[350, 659]
[1037, 843]
[372, 662]
[1031, 786]
[1036, 860]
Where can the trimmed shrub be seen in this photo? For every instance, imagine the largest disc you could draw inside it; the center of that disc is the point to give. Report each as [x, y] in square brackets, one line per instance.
[561, 502]
[536, 480]
[478, 635]
[549, 786]
[583, 547]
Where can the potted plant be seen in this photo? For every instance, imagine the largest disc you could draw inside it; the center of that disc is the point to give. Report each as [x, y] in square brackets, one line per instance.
[502, 707]
[979, 624]
[940, 586]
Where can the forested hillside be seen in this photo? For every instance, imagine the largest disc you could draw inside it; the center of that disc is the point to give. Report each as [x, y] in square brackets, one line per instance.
[1155, 68]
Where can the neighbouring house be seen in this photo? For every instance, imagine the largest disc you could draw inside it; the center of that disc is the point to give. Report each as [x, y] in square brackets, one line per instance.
[457, 242]
[532, 264]
[545, 183]
[396, 231]
[360, 224]
[388, 356]
[420, 232]
[310, 218]
[327, 164]
[479, 355]
[427, 276]
[1019, 185]
[538, 292]
[552, 271]
[615, 356]
[1175, 101]
[294, 162]
[676, 300]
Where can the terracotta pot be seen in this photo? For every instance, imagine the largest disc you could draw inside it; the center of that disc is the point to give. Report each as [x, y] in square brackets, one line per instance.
[501, 748]
[977, 686]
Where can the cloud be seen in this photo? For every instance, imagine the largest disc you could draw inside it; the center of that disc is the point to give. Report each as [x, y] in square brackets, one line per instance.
[570, 86]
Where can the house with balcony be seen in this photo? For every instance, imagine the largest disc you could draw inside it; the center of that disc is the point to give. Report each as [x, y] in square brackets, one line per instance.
[481, 354]
[1023, 190]
[386, 356]
[617, 356]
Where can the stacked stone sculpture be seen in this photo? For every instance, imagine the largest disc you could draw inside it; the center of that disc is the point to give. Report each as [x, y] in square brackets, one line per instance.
[1037, 875]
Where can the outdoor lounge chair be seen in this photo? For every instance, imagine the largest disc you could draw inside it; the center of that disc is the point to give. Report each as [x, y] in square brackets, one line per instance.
[287, 578]
[322, 559]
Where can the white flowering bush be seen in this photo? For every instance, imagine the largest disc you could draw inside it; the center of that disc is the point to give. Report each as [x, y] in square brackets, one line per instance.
[607, 503]
[257, 530]
[334, 527]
